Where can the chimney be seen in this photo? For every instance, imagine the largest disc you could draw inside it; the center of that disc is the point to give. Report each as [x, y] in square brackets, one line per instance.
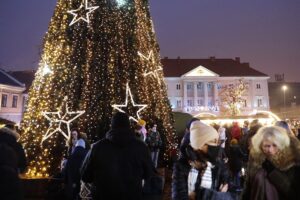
[178, 57]
[237, 59]
[212, 58]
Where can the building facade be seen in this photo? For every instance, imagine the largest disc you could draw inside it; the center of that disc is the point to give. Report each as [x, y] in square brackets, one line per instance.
[194, 85]
[11, 98]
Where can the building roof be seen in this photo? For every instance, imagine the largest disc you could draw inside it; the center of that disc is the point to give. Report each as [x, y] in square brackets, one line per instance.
[6, 79]
[26, 77]
[223, 67]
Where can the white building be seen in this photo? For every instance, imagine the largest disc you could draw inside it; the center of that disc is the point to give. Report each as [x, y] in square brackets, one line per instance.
[194, 84]
[11, 98]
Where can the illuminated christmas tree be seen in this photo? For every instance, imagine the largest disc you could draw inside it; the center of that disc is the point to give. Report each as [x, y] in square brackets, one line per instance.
[99, 56]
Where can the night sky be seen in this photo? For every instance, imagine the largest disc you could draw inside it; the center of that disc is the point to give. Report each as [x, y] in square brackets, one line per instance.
[265, 33]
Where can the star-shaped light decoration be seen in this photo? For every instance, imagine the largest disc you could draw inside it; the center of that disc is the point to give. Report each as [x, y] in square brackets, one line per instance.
[85, 191]
[154, 73]
[121, 107]
[58, 118]
[83, 8]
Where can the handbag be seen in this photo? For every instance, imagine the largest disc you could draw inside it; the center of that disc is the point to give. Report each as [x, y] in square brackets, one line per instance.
[154, 185]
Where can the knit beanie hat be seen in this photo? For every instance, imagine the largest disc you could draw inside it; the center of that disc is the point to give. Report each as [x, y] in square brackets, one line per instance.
[202, 134]
[120, 120]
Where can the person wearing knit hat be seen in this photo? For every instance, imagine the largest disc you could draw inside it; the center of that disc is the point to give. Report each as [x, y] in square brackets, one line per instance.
[205, 174]
[120, 120]
[201, 134]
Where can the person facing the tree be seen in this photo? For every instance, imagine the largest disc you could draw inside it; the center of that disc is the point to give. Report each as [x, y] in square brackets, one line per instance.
[9, 137]
[154, 143]
[117, 164]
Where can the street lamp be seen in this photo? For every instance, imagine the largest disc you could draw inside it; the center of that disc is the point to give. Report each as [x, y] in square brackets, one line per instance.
[284, 88]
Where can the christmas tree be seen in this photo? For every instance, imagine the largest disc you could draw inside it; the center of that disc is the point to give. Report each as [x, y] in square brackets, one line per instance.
[98, 57]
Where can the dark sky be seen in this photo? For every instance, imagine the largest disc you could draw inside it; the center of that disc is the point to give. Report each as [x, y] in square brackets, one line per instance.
[265, 33]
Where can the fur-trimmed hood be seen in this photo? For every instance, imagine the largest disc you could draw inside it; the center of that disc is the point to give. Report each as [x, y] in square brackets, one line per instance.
[285, 159]
[9, 131]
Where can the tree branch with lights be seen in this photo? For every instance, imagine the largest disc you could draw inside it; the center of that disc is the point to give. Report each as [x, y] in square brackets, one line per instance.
[231, 96]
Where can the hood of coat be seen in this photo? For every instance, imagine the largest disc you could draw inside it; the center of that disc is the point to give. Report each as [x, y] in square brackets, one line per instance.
[11, 132]
[120, 137]
[283, 161]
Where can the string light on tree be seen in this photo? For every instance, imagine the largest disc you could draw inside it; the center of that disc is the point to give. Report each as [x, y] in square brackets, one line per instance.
[78, 13]
[58, 118]
[154, 73]
[121, 107]
[121, 2]
[46, 69]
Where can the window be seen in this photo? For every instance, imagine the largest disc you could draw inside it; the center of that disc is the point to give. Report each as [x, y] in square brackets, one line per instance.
[15, 101]
[189, 102]
[189, 86]
[4, 100]
[177, 86]
[259, 102]
[178, 103]
[245, 103]
[209, 86]
[200, 102]
[199, 86]
[257, 86]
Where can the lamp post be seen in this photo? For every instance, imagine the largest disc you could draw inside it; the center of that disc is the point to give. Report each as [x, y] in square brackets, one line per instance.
[284, 88]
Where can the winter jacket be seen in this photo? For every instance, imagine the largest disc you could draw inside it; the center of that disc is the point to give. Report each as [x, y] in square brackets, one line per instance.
[153, 141]
[285, 178]
[10, 185]
[117, 165]
[181, 171]
[9, 137]
[72, 171]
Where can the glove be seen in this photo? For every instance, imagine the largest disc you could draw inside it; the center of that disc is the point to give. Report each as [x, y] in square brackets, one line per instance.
[268, 166]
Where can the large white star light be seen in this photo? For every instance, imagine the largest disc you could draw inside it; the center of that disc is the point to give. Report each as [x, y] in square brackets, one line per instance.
[58, 118]
[154, 73]
[129, 96]
[83, 8]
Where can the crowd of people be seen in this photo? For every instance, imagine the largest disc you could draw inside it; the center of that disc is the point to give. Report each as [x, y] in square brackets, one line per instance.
[219, 161]
[248, 162]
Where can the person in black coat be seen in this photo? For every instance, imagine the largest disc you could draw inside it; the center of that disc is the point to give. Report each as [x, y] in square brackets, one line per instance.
[9, 137]
[200, 171]
[10, 186]
[73, 170]
[117, 164]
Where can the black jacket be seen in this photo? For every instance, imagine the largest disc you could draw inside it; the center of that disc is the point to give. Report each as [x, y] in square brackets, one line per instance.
[10, 185]
[73, 172]
[7, 137]
[181, 171]
[117, 165]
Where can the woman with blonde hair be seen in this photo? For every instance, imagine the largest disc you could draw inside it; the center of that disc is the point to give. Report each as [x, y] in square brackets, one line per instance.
[274, 166]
